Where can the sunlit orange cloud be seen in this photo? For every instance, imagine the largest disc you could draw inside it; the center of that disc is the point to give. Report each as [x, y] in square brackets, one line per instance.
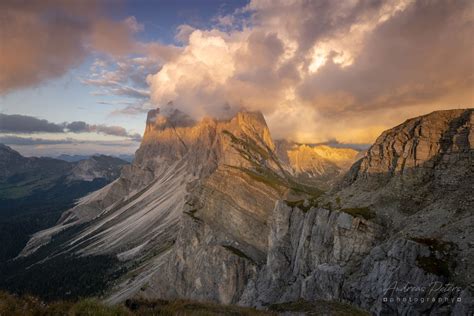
[326, 70]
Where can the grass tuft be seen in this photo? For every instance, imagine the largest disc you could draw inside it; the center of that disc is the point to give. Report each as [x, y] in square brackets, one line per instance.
[303, 205]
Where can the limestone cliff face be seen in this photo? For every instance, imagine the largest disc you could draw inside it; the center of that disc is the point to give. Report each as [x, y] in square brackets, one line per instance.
[310, 254]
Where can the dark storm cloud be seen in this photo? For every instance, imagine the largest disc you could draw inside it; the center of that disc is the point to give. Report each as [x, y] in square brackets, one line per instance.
[27, 124]
[23, 124]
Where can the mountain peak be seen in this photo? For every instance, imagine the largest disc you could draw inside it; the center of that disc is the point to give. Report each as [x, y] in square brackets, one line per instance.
[251, 118]
[171, 135]
[7, 155]
[163, 118]
[422, 143]
[6, 149]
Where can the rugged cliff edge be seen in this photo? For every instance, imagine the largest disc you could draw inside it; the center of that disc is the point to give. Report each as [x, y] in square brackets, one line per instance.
[395, 237]
[213, 211]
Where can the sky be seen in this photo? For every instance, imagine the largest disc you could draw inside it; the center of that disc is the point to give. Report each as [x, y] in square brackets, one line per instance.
[78, 77]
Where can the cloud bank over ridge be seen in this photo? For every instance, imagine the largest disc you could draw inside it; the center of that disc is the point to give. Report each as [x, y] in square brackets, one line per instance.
[323, 70]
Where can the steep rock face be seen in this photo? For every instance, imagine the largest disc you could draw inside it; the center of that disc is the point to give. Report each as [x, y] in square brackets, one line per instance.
[219, 243]
[320, 254]
[310, 254]
[222, 231]
[413, 270]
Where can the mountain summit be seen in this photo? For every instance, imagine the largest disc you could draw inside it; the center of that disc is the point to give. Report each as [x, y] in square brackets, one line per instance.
[141, 210]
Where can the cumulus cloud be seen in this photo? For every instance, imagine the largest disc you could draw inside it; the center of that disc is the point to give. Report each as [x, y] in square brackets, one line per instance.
[41, 40]
[23, 124]
[323, 70]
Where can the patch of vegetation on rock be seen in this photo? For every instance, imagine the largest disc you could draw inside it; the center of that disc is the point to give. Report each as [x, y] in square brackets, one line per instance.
[434, 265]
[258, 155]
[439, 261]
[435, 244]
[364, 212]
[304, 205]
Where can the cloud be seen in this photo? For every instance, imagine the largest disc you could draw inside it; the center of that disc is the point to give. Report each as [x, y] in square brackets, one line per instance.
[27, 124]
[124, 77]
[31, 34]
[42, 40]
[115, 37]
[322, 70]
[83, 127]
[23, 124]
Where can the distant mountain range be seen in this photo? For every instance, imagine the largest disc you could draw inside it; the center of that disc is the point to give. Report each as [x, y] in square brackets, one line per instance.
[74, 158]
[218, 211]
[34, 191]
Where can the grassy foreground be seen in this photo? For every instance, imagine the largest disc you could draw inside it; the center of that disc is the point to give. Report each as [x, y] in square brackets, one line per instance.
[12, 305]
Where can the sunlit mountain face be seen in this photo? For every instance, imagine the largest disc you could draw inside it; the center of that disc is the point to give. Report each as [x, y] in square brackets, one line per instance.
[269, 156]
